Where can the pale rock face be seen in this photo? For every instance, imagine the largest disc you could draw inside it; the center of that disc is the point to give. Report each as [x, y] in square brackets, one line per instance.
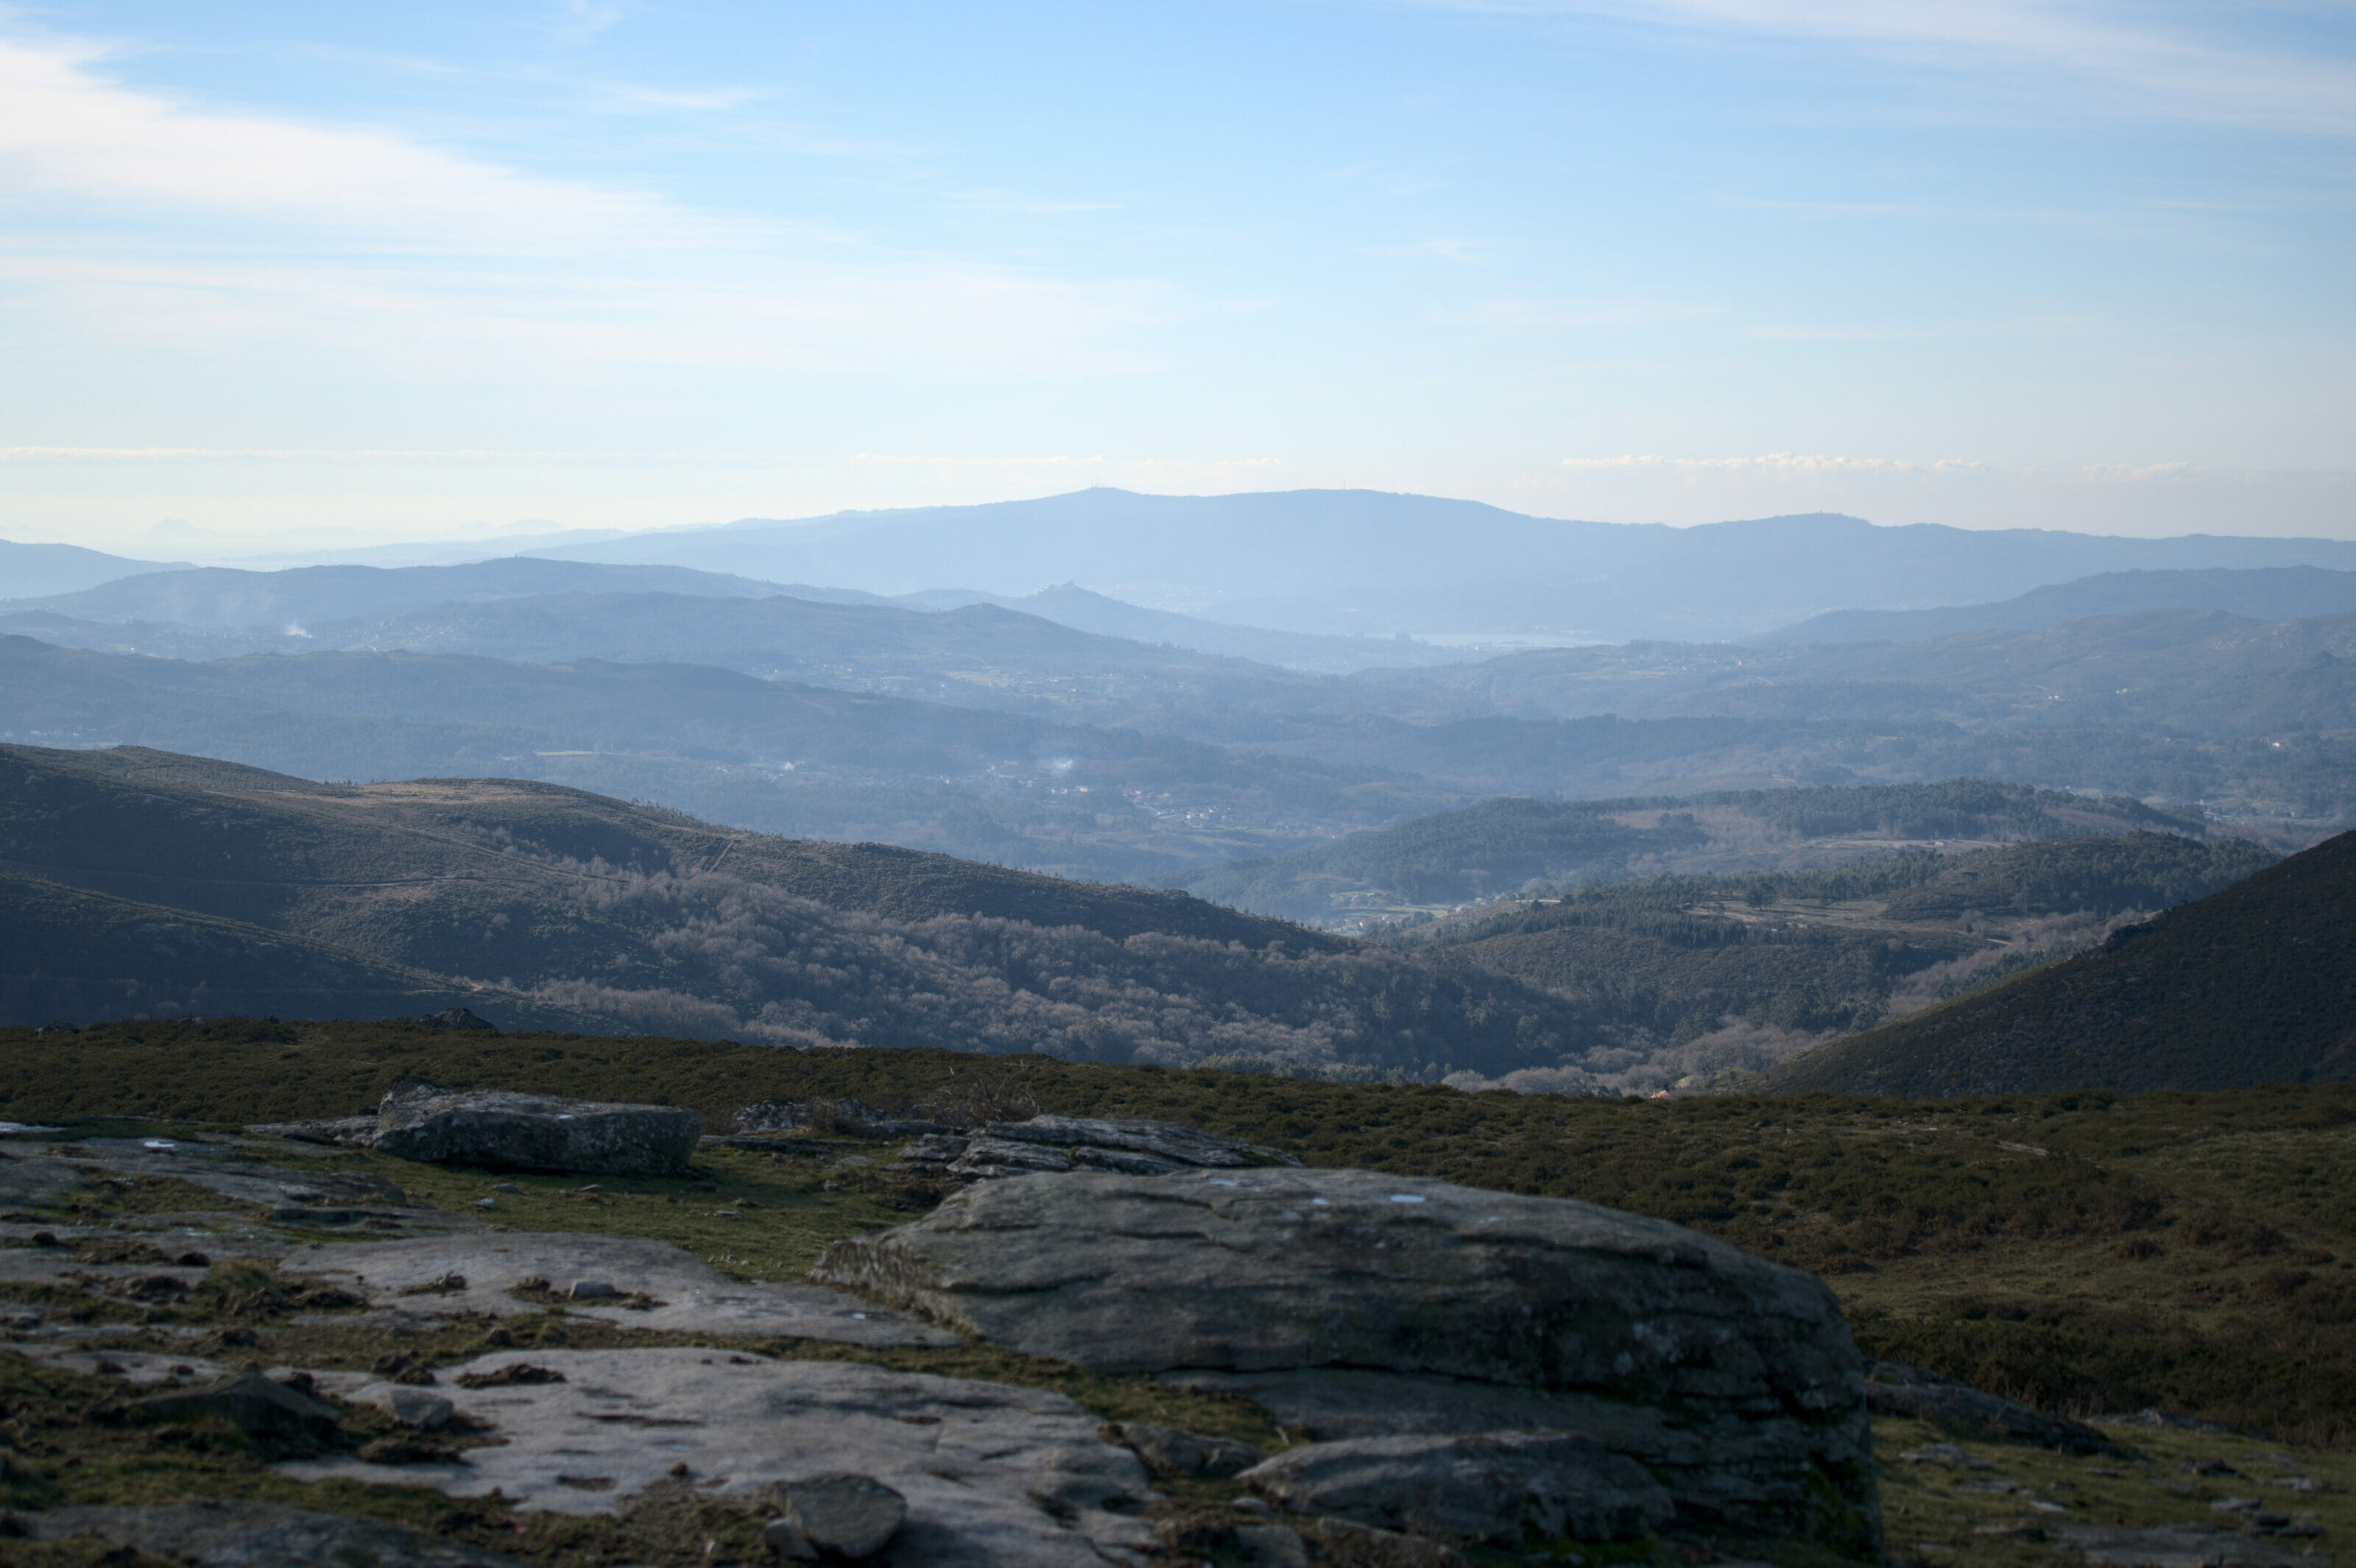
[1733, 1379]
[990, 1476]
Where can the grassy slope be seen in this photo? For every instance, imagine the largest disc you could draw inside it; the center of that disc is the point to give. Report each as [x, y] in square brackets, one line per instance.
[2086, 1251]
[2253, 985]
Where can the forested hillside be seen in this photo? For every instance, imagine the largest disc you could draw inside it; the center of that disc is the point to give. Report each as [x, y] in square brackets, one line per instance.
[560, 905]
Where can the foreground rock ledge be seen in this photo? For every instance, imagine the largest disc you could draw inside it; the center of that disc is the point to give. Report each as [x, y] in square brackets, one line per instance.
[1733, 1380]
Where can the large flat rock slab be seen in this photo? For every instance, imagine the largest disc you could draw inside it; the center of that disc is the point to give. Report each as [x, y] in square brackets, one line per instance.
[995, 1477]
[695, 1297]
[1639, 1330]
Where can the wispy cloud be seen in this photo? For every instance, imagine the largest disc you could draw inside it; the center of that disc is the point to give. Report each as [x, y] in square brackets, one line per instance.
[143, 218]
[2153, 67]
[579, 22]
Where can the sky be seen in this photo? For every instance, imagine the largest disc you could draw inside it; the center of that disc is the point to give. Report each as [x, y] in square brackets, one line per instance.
[279, 276]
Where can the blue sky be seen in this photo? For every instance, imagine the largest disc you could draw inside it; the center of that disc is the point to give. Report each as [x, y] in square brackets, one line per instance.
[293, 275]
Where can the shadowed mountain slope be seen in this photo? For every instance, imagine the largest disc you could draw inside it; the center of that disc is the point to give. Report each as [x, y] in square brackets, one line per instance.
[346, 861]
[2253, 985]
[73, 955]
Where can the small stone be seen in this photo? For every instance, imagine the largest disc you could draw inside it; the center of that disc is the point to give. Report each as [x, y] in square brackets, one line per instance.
[591, 1290]
[504, 1187]
[486, 1202]
[851, 1516]
[2233, 1505]
[420, 1408]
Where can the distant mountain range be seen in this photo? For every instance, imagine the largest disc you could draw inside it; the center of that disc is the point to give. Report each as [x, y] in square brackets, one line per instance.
[35, 571]
[2261, 593]
[209, 611]
[216, 598]
[1358, 561]
[2253, 985]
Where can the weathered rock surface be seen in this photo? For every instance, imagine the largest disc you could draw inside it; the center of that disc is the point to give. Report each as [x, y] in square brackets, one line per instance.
[1734, 1379]
[257, 1535]
[1487, 1486]
[1730, 1466]
[414, 1276]
[536, 1132]
[1046, 1145]
[993, 1477]
[27, 1179]
[1893, 1388]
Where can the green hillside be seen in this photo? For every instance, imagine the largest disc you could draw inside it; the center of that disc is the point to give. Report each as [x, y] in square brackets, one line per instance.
[2253, 985]
[565, 905]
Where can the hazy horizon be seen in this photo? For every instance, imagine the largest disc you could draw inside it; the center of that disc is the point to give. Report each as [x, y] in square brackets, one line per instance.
[333, 280]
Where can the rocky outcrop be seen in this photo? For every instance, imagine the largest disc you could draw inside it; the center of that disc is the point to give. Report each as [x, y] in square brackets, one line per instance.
[507, 1131]
[1734, 1381]
[1959, 1410]
[1054, 1145]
